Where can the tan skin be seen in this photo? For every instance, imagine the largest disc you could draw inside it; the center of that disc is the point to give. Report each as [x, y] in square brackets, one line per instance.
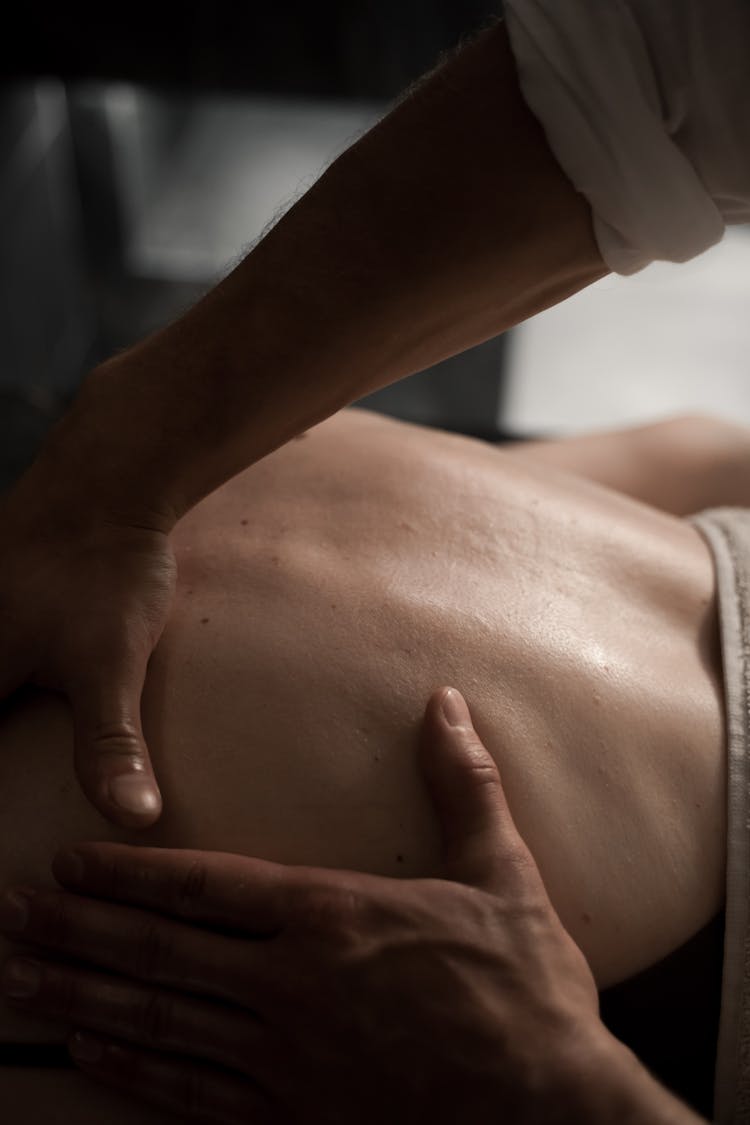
[300, 1004]
[443, 226]
[448, 223]
[437, 532]
[346, 294]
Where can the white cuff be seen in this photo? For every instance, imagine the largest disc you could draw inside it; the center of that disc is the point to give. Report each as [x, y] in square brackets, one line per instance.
[646, 106]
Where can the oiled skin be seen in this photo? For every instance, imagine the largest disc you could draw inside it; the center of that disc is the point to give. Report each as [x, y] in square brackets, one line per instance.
[325, 592]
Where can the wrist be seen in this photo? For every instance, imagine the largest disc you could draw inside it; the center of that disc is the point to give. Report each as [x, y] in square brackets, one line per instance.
[93, 467]
[604, 1083]
[175, 416]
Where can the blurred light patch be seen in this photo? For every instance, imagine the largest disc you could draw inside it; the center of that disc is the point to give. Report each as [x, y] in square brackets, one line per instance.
[672, 339]
[237, 164]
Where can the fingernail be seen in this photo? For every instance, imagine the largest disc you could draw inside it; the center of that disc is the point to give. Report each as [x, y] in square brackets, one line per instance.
[134, 793]
[21, 979]
[68, 867]
[85, 1048]
[455, 710]
[14, 912]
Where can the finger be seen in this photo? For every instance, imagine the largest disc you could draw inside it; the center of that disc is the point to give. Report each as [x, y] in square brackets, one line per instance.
[481, 845]
[235, 892]
[156, 1018]
[149, 948]
[192, 1092]
[111, 756]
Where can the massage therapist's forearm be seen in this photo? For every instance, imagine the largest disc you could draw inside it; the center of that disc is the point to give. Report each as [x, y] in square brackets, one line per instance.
[623, 1093]
[446, 224]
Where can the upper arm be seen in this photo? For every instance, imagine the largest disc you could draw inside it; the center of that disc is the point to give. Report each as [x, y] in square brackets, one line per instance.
[681, 465]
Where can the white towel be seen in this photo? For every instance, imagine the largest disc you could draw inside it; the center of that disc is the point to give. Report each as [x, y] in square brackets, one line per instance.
[646, 106]
[727, 531]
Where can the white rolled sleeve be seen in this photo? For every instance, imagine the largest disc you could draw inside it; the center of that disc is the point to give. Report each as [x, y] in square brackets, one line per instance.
[646, 106]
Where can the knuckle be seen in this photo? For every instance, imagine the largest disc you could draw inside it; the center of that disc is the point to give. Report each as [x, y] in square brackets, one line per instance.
[153, 1018]
[484, 776]
[118, 737]
[189, 888]
[479, 762]
[153, 951]
[330, 911]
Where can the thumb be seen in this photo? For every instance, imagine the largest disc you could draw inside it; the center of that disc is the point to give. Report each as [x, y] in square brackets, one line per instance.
[111, 757]
[481, 844]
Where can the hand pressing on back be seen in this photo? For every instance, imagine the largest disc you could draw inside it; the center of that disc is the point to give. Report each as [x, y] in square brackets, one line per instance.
[236, 990]
[86, 583]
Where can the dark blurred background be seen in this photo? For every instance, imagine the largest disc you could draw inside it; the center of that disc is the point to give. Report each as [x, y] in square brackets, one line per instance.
[327, 49]
[146, 146]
